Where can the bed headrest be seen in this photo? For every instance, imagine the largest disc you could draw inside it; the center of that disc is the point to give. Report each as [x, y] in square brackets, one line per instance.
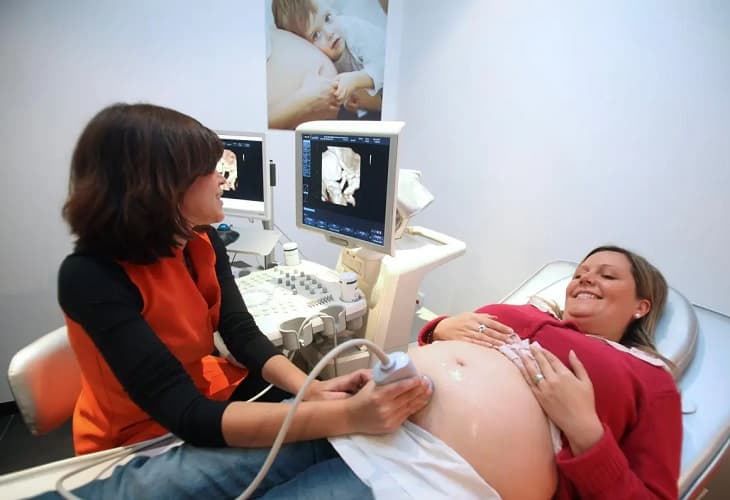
[676, 335]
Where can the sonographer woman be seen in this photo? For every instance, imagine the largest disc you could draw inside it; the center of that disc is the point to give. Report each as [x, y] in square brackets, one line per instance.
[149, 283]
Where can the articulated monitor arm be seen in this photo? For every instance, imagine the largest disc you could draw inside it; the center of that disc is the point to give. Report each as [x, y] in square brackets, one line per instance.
[391, 283]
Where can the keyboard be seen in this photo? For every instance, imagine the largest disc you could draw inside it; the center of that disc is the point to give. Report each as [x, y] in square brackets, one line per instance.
[276, 295]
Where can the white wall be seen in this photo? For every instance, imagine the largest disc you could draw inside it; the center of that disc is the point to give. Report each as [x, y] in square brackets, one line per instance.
[547, 128]
[61, 63]
[543, 129]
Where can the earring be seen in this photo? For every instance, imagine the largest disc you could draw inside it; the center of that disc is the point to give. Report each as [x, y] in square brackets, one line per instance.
[637, 315]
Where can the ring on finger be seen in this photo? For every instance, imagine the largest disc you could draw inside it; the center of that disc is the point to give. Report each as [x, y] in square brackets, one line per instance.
[482, 328]
[537, 378]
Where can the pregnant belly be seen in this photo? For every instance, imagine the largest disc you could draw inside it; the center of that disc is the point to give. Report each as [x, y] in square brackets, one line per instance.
[483, 409]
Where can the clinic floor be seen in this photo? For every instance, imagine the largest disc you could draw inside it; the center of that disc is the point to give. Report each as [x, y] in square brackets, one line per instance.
[19, 449]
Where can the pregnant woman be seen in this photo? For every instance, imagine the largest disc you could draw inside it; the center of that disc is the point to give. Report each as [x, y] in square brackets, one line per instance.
[594, 371]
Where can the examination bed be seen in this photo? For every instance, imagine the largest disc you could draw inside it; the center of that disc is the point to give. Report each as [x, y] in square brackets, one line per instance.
[695, 338]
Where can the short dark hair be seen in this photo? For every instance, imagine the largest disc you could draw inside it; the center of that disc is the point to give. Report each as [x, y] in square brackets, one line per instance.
[130, 169]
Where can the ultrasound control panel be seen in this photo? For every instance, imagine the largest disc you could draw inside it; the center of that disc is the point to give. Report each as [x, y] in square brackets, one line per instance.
[276, 295]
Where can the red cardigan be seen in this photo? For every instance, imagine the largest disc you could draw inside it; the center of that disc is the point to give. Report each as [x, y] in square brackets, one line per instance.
[638, 403]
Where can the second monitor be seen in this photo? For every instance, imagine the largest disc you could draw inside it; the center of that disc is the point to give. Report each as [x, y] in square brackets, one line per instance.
[246, 192]
[346, 181]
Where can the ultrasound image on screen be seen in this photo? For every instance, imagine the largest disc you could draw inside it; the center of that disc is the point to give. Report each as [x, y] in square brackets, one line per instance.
[228, 167]
[358, 184]
[340, 175]
[240, 164]
[345, 185]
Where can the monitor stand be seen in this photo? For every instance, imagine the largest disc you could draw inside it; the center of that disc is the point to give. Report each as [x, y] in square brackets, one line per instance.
[260, 241]
[391, 283]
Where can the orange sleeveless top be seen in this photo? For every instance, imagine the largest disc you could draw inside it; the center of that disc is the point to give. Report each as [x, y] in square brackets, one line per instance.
[184, 314]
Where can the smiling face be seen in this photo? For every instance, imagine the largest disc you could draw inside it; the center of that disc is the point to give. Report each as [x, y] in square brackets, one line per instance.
[601, 298]
[202, 203]
[325, 32]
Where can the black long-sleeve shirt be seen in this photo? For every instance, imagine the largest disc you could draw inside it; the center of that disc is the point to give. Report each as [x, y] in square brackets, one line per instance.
[97, 293]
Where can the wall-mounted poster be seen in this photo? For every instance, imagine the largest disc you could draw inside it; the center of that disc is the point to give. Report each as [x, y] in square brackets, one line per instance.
[324, 60]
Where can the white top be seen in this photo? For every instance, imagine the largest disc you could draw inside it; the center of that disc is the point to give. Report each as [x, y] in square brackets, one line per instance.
[366, 42]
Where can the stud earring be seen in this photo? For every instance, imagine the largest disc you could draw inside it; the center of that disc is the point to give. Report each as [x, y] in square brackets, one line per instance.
[637, 315]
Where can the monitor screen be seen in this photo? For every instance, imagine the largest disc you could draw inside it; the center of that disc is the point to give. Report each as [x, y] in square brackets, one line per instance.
[246, 192]
[346, 174]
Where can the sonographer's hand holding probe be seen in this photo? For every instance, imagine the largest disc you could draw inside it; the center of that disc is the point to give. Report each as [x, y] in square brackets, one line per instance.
[375, 409]
[340, 387]
[381, 409]
[397, 367]
[395, 393]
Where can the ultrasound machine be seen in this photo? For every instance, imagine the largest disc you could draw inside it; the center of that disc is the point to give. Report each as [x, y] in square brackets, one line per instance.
[348, 190]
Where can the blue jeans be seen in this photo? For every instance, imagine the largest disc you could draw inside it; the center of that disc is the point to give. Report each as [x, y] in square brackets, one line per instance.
[305, 470]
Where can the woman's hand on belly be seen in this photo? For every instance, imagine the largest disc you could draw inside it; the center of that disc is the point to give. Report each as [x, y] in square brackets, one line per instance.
[476, 328]
[566, 396]
[381, 409]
